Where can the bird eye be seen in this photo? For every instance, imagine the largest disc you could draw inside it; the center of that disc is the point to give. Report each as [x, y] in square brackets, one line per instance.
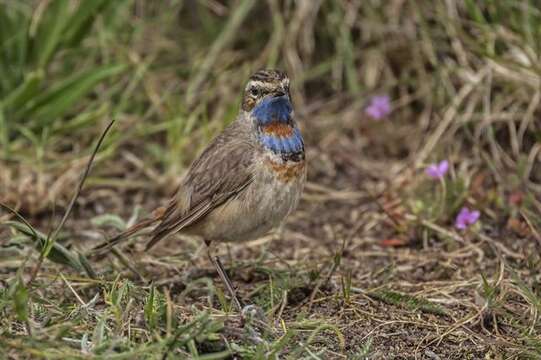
[254, 91]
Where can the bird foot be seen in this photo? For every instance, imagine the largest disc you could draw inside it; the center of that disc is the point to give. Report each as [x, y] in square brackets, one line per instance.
[253, 313]
[255, 322]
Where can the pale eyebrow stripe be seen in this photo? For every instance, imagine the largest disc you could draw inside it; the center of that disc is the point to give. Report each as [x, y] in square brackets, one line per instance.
[260, 84]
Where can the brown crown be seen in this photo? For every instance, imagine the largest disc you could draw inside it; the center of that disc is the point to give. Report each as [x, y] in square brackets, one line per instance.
[268, 75]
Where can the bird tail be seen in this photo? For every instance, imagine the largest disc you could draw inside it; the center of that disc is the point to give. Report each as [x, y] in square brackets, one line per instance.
[155, 238]
[129, 232]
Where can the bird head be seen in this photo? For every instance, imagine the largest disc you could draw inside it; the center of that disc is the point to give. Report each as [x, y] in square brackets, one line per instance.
[266, 97]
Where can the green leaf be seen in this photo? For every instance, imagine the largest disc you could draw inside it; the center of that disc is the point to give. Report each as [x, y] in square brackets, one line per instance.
[86, 266]
[80, 22]
[66, 93]
[58, 253]
[226, 354]
[83, 120]
[13, 45]
[19, 296]
[408, 301]
[49, 32]
[118, 293]
[4, 132]
[24, 92]
[109, 219]
[281, 344]
[150, 308]
[474, 11]
[98, 334]
[526, 291]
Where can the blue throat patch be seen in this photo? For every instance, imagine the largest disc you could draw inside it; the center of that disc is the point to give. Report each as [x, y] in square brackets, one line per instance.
[273, 109]
[291, 144]
[278, 110]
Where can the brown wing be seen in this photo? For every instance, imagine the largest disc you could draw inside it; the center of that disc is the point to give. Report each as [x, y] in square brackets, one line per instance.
[220, 173]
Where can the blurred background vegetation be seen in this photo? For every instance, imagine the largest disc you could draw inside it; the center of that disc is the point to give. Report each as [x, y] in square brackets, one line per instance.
[172, 72]
[464, 78]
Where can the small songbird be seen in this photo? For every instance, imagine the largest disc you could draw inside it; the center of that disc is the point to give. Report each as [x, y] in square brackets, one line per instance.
[247, 180]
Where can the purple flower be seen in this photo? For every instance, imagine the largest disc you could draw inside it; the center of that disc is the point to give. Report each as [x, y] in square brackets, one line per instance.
[438, 171]
[379, 107]
[466, 217]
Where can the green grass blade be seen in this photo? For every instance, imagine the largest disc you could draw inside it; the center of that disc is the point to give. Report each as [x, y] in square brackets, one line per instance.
[4, 133]
[475, 12]
[408, 301]
[13, 46]
[24, 92]
[66, 93]
[49, 32]
[58, 253]
[20, 298]
[80, 22]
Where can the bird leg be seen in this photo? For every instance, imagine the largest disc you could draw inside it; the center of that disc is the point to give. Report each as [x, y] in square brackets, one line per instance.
[253, 318]
[225, 279]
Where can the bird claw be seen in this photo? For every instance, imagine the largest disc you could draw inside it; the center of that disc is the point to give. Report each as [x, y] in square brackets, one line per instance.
[255, 322]
[254, 315]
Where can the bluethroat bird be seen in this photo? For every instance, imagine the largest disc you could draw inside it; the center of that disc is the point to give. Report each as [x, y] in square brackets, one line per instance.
[247, 180]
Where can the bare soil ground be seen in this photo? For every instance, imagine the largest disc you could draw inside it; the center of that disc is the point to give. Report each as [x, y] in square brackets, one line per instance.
[388, 285]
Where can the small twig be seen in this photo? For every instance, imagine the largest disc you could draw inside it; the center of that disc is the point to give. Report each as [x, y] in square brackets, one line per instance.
[534, 231]
[375, 200]
[449, 116]
[51, 239]
[72, 289]
[282, 305]
[430, 225]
